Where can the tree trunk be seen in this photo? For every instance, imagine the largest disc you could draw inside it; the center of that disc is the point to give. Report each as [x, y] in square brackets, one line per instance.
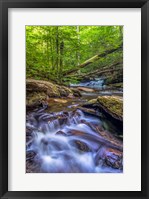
[91, 60]
[51, 50]
[78, 46]
[101, 72]
[61, 60]
[48, 59]
[110, 68]
[57, 49]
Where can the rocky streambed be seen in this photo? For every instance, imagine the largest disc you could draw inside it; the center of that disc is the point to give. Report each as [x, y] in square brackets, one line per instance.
[75, 133]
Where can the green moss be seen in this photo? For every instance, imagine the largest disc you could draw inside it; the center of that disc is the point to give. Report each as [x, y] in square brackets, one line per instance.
[35, 97]
[53, 91]
[93, 101]
[113, 105]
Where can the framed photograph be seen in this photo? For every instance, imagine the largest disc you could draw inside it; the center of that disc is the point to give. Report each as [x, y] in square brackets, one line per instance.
[74, 99]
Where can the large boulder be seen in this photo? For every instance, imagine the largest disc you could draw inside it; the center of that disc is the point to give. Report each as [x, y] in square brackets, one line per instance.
[40, 91]
[110, 105]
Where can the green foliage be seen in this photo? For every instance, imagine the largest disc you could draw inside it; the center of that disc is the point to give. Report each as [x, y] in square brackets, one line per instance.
[51, 50]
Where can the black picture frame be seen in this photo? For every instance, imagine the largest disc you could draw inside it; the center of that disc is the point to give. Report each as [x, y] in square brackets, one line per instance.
[4, 6]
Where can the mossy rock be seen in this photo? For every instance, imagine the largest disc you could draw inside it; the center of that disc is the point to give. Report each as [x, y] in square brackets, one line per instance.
[40, 91]
[35, 98]
[50, 89]
[64, 91]
[93, 101]
[82, 146]
[111, 105]
[76, 92]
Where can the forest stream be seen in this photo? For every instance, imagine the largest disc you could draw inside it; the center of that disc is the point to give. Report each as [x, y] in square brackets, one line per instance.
[70, 137]
[74, 99]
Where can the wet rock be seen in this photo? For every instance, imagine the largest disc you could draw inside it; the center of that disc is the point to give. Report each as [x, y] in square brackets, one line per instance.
[98, 128]
[56, 119]
[95, 127]
[106, 136]
[61, 133]
[76, 113]
[44, 141]
[29, 134]
[110, 157]
[70, 96]
[113, 158]
[75, 132]
[38, 90]
[29, 130]
[76, 92]
[89, 111]
[32, 167]
[45, 87]
[62, 120]
[35, 100]
[112, 106]
[109, 105]
[64, 91]
[86, 89]
[29, 138]
[63, 101]
[82, 146]
[30, 155]
[65, 113]
[33, 162]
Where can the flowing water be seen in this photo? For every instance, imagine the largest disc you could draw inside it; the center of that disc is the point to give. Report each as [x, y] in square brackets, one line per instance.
[97, 83]
[64, 139]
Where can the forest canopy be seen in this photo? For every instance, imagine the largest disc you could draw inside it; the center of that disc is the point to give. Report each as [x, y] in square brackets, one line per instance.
[68, 53]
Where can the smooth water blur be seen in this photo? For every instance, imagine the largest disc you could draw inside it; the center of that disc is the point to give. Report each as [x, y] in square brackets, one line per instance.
[68, 144]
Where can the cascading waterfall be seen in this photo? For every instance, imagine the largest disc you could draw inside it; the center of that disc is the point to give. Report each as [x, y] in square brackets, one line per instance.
[96, 83]
[71, 142]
